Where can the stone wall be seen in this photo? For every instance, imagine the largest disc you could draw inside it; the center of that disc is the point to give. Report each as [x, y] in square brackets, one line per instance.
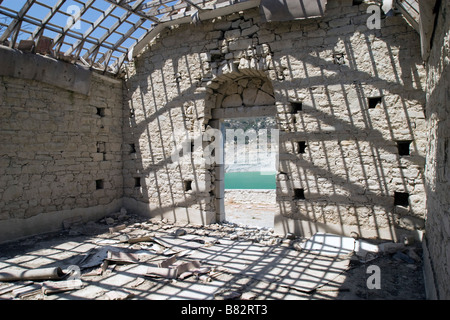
[438, 163]
[60, 154]
[344, 96]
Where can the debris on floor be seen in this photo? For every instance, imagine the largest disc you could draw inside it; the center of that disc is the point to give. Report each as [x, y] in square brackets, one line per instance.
[34, 274]
[50, 287]
[138, 258]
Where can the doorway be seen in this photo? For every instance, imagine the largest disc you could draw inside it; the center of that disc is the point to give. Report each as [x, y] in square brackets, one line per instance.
[250, 156]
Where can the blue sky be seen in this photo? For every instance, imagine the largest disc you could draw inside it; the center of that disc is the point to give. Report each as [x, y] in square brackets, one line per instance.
[39, 12]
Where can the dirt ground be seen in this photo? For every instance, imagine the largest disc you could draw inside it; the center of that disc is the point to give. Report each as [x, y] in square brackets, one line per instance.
[239, 264]
[257, 215]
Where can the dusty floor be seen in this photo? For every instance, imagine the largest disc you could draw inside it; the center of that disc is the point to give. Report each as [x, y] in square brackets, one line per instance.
[236, 263]
[258, 215]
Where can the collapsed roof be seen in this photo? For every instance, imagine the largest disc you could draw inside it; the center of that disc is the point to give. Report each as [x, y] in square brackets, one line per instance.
[103, 34]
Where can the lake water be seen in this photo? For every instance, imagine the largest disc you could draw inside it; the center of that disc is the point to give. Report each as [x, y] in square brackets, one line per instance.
[250, 180]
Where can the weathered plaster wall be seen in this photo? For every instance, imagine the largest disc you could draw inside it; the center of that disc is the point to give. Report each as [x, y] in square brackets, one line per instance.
[351, 169]
[438, 163]
[54, 146]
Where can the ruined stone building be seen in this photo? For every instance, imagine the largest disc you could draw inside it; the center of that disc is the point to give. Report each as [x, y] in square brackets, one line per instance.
[89, 122]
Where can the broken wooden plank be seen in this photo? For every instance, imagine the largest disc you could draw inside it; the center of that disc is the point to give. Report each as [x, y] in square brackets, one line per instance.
[49, 287]
[168, 262]
[204, 278]
[15, 286]
[27, 291]
[128, 257]
[137, 282]
[168, 273]
[187, 269]
[117, 228]
[198, 272]
[93, 273]
[122, 257]
[104, 266]
[141, 239]
[188, 266]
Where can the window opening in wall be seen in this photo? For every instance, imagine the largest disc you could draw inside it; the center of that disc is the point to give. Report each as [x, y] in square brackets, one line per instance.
[357, 2]
[299, 194]
[132, 148]
[101, 112]
[98, 184]
[187, 185]
[101, 147]
[301, 147]
[401, 199]
[339, 58]
[374, 102]
[249, 171]
[404, 148]
[296, 107]
[137, 182]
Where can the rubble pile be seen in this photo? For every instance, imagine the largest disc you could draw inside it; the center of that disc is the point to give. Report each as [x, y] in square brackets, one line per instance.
[124, 256]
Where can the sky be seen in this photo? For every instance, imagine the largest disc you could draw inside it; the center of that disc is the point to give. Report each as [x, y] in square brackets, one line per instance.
[71, 7]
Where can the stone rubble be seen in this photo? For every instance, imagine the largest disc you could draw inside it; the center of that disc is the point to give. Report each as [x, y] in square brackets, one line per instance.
[101, 263]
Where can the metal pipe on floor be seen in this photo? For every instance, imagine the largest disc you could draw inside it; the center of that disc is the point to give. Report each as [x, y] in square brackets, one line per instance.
[35, 274]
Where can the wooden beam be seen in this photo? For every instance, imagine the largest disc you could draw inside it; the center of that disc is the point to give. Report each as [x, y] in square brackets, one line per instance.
[16, 22]
[126, 36]
[427, 25]
[118, 64]
[133, 9]
[72, 22]
[114, 27]
[192, 3]
[168, 9]
[47, 18]
[91, 29]
[58, 30]
[15, 34]
[215, 10]
[409, 11]
[157, 3]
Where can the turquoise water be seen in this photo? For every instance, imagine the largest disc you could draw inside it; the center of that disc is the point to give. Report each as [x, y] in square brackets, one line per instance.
[249, 180]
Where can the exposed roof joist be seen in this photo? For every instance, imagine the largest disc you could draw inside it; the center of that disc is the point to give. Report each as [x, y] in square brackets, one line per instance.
[14, 28]
[112, 31]
[103, 34]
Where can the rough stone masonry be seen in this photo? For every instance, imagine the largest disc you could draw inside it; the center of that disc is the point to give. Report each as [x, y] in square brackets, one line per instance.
[61, 145]
[349, 103]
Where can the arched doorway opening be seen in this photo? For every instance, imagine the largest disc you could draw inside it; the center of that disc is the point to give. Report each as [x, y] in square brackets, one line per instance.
[243, 108]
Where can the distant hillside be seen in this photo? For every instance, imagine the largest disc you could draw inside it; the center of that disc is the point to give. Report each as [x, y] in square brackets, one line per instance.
[250, 123]
[251, 163]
